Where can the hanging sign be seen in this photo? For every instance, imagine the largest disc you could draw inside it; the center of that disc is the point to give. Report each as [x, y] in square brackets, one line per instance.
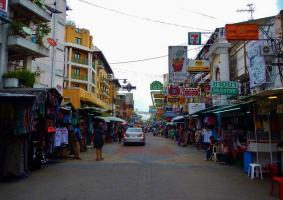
[190, 92]
[158, 96]
[242, 31]
[152, 109]
[194, 38]
[177, 64]
[199, 66]
[156, 85]
[173, 100]
[158, 101]
[224, 87]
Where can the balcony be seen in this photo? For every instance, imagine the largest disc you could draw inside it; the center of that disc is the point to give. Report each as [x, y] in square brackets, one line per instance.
[80, 61]
[29, 9]
[20, 47]
[79, 77]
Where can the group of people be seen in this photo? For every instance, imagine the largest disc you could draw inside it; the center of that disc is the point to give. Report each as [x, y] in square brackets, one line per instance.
[220, 149]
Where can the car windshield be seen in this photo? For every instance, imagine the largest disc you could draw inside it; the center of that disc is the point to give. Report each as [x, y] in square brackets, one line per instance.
[134, 130]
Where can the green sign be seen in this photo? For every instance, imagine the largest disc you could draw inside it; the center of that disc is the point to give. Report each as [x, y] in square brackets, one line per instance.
[194, 38]
[156, 85]
[158, 101]
[224, 87]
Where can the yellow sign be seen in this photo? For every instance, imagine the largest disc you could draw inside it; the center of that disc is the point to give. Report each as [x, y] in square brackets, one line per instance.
[199, 66]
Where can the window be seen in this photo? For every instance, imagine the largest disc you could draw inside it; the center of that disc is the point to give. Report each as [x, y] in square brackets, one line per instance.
[78, 40]
[77, 71]
[77, 55]
[78, 30]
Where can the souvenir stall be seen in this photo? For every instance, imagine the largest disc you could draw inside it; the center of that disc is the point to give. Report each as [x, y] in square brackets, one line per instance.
[15, 126]
[44, 121]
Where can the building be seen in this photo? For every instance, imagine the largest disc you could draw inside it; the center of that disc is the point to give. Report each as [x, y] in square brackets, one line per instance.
[51, 68]
[125, 108]
[22, 38]
[88, 75]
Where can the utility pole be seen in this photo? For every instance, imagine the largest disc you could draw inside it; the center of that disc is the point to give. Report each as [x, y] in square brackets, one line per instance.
[251, 10]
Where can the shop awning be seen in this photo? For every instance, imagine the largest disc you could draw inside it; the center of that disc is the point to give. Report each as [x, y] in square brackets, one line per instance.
[178, 118]
[13, 96]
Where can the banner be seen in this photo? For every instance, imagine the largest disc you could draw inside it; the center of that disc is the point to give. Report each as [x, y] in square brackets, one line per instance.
[191, 92]
[177, 64]
[194, 107]
[256, 67]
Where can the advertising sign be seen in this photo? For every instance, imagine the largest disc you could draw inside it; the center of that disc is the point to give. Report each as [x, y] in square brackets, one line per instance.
[158, 96]
[156, 85]
[177, 64]
[158, 101]
[173, 100]
[194, 38]
[199, 66]
[190, 92]
[224, 87]
[242, 31]
[174, 90]
[3, 7]
[194, 107]
[256, 67]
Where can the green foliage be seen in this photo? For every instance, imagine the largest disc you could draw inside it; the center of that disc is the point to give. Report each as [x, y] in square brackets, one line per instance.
[43, 29]
[39, 3]
[17, 28]
[25, 77]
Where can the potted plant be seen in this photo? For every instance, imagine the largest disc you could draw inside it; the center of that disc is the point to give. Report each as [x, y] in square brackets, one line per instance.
[22, 78]
[42, 30]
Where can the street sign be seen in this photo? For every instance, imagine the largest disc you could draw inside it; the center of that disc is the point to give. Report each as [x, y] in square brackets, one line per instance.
[224, 87]
[194, 38]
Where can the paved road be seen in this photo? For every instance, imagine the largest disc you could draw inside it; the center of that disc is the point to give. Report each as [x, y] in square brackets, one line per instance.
[160, 170]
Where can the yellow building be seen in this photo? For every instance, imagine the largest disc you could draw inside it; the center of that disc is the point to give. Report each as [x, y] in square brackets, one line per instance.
[87, 72]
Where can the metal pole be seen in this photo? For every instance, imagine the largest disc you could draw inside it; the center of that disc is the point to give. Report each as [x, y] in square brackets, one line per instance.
[53, 52]
[269, 131]
[255, 134]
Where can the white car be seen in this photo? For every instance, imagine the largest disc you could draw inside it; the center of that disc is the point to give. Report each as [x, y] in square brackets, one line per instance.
[134, 135]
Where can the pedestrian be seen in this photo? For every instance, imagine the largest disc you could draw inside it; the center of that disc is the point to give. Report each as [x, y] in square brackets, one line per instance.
[77, 141]
[120, 134]
[210, 148]
[99, 139]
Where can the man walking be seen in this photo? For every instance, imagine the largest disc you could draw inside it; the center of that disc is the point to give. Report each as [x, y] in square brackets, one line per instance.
[99, 139]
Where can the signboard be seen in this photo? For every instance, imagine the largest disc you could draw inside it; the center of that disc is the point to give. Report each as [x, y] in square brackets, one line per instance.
[156, 85]
[242, 31]
[256, 66]
[158, 101]
[177, 64]
[3, 7]
[191, 92]
[224, 87]
[158, 105]
[199, 66]
[158, 96]
[173, 100]
[152, 109]
[194, 107]
[194, 38]
[174, 90]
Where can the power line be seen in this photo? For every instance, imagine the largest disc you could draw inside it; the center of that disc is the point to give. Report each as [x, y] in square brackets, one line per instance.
[140, 17]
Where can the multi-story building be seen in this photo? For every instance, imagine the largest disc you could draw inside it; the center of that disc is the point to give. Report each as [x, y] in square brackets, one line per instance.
[21, 39]
[87, 72]
[51, 68]
[125, 109]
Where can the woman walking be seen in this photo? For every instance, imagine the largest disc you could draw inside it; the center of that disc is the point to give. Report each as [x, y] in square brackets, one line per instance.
[99, 139]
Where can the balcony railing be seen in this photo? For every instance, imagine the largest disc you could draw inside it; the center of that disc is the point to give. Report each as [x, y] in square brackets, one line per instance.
[80, 61]
[79, 77]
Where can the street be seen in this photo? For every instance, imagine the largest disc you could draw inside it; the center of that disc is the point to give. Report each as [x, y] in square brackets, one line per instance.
[159, 170]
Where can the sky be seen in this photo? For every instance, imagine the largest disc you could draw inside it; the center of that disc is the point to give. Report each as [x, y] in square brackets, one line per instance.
[132, 30]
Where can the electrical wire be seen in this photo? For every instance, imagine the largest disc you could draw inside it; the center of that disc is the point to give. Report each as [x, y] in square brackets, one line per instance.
[140, 17]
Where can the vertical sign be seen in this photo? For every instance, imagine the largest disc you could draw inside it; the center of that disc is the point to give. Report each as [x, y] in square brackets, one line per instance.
[3, 7]
[194, 38]
[177, 64]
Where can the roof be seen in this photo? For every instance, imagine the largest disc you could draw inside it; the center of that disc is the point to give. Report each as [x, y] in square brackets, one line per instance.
[39, 93]
[99, 53]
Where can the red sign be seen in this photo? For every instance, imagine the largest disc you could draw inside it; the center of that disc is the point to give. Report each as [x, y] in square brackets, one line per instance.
[3, 6]
[51, 41]
[174, 90]
[242, 31]
[190, 92]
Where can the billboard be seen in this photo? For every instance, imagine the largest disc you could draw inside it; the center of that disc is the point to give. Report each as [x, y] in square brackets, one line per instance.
[177, 64]
[242, 31]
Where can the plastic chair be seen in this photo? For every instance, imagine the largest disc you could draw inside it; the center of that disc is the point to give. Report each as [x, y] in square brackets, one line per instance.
[279, 180]
[254, 167]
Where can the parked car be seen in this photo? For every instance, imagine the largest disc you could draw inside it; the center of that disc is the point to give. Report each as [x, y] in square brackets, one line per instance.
[134, 135]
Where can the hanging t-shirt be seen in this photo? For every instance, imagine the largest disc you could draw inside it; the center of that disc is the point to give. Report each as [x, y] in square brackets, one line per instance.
[58, 138]
[64, 135]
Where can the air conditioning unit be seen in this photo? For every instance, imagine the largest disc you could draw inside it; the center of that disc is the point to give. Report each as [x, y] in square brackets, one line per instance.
[266, 50]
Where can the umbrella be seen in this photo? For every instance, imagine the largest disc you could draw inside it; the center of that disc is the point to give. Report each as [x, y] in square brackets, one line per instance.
[114, 119]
